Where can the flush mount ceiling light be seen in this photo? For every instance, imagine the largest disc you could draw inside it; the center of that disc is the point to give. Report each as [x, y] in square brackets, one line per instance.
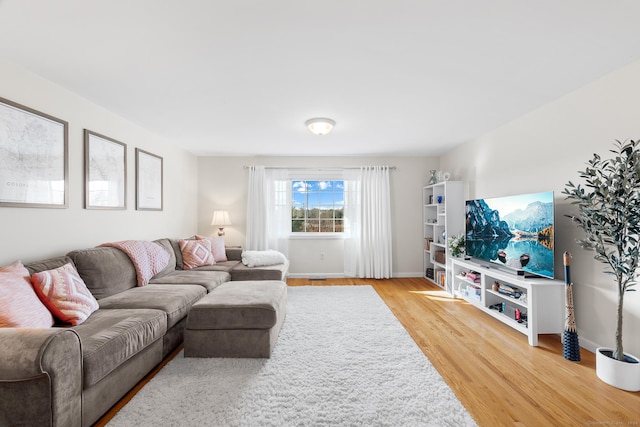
[320, 125]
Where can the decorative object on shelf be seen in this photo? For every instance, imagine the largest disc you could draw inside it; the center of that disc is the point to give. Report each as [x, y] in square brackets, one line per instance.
[439, 199]
[432, 177]
[442, 176]
[220, 219]
[320, 125]
[456, 245]
[609, 215]
[444, 236]
[570, 342]
[495, 286]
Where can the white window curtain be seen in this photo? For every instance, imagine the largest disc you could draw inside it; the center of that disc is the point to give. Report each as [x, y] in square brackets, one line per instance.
[367, 246]
[268, 210]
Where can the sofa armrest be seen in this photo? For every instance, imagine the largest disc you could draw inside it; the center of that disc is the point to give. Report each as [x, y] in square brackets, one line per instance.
[234, 253]
[40, 377]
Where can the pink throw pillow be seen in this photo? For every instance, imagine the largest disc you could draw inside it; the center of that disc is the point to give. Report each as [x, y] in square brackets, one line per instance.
[19, 304]
[64, 292]
[217, 247]
[196, 253]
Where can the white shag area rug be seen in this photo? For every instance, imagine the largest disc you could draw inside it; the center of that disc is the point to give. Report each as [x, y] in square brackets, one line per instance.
[342, 359]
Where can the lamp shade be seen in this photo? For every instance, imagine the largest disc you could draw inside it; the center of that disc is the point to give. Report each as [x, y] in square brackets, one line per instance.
[320, 125]
[220, 218]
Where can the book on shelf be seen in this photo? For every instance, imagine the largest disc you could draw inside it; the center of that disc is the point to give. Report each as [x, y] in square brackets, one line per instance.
[473, 276]
[427, 243]
[510, 291]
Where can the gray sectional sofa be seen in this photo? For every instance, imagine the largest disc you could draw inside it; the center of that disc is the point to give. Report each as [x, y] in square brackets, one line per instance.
[71, 376]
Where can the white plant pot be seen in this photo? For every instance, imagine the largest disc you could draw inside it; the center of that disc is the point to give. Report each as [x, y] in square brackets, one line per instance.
[622, 375]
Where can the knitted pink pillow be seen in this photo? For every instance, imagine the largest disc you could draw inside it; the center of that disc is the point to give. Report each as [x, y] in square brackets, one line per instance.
[64, 293]
[196, 253]
[217, 247]
[19, 304]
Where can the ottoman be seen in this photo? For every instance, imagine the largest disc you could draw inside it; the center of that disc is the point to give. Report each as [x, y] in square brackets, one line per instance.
[237, 319]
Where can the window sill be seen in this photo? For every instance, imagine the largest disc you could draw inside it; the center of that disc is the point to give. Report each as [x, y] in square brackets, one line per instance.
[316, 236]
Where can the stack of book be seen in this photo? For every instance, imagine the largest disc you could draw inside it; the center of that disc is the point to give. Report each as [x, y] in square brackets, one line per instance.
[473, 276]
[510, 291]
[429, 273]
[441, 277]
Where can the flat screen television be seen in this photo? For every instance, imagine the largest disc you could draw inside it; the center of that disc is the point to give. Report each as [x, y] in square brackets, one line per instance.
[514, 232]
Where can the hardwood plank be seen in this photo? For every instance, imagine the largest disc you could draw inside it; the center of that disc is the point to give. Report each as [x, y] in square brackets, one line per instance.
[498, 377]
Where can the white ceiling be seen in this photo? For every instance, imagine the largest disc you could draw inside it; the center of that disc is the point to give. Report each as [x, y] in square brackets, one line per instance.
[240, 77]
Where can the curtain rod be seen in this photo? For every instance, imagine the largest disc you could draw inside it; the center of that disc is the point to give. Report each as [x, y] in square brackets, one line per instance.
[336, 168]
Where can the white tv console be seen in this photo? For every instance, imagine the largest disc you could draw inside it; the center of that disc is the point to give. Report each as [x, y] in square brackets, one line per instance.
[543, 305]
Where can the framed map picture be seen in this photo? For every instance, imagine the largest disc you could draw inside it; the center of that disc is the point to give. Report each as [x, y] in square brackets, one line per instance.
[33, 157]
[105, 172]
[148, 181]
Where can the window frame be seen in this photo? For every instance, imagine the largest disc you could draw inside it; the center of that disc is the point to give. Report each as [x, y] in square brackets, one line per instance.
[316, 178]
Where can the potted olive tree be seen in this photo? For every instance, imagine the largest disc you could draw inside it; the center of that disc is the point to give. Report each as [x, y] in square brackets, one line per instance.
[609, 214]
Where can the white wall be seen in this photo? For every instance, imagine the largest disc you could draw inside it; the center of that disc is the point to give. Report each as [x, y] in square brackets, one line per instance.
[30, 234]
[542, 151]
[223, 185]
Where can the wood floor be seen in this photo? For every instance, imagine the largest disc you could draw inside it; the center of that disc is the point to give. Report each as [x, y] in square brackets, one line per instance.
[497, 376]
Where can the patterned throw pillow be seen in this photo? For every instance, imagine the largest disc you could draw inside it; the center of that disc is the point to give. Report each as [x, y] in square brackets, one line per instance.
[19, 304]
[196, 253]
[217, 247]
[64, 292]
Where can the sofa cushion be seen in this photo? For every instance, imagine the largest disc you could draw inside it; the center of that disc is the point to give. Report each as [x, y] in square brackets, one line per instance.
[111, 337]
[207, 279]
[19, 304]
[240, 305]
[234, 253]
[168, 246]
[65, 294]
[176, 249]
[47, 264]
[106, 271]
[196, 253]
[174, 300]
[218, 266]
[270, 272]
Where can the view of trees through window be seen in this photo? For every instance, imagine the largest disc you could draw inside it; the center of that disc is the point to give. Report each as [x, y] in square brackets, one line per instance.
[317, 206]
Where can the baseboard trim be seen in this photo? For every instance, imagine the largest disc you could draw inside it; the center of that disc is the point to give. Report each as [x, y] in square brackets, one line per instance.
[587, 345]
[319, 276]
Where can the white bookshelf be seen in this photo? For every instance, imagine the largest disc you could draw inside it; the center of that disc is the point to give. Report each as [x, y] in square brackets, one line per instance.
[442, 212]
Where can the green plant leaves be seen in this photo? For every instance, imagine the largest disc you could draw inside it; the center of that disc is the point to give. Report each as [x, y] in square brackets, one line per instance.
[609, 215]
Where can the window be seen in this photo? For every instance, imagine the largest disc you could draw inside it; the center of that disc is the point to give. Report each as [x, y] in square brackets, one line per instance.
[317, 206]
